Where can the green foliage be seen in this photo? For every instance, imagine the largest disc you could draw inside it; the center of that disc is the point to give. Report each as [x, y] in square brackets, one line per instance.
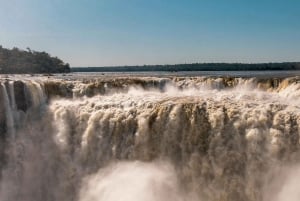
[20, 61]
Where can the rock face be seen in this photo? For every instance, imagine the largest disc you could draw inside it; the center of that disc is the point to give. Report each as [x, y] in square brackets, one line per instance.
[20, 97]
[197, 138]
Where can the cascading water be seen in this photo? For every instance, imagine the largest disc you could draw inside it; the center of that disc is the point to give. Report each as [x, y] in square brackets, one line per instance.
[151, 139]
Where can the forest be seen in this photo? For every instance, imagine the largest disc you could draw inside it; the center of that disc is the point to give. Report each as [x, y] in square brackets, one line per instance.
[195, 67]
[29, 61]
[17, 61]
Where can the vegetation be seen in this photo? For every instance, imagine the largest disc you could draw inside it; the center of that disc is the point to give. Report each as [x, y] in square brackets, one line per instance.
[195, 67]
[20, 61]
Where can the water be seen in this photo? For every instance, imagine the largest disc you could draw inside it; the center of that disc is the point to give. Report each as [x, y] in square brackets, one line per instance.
[153, 138]
[261, 74]
[245, 74]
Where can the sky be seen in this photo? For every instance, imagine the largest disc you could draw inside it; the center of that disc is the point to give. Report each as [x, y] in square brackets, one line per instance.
[138, 32]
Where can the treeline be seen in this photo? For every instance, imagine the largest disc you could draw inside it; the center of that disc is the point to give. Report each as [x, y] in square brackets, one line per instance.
[195, 67]
[21, 61]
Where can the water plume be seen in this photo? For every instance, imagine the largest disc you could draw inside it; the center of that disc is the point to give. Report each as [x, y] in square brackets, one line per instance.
[133, 181]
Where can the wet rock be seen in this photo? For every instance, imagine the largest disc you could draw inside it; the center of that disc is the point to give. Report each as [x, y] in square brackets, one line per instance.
[20, 96]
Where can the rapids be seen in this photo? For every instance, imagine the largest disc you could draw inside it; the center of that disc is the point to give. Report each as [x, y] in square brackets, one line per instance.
[149, 138]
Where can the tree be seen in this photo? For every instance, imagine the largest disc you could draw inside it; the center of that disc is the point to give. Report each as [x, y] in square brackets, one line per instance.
[20, 61]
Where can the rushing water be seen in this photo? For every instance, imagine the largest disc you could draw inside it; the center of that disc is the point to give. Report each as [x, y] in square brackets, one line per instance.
[158, 138]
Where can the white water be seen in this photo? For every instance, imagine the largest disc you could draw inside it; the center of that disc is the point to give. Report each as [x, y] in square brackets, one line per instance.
[151, 139]
[132, 181]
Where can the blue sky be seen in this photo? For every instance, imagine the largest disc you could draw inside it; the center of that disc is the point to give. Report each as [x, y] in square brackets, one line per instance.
[130, 32]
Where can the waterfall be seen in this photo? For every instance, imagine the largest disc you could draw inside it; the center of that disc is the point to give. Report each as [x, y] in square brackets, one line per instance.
[8, 111]
[148, 138]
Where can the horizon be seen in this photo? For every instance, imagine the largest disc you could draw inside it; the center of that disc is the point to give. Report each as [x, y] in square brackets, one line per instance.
[229, 63]
[138, 32]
